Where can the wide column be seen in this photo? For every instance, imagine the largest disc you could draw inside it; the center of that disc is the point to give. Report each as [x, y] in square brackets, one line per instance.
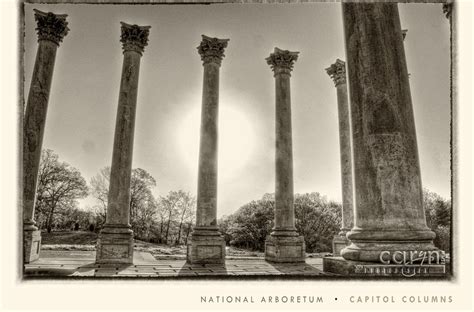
[284, 243]
[337, 72]
[207, 245]
[389, 213]
[115, 243]
[51, 29]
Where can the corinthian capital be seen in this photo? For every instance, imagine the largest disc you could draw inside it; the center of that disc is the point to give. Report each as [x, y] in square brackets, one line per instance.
[134, 37]
[212, 49]
[281, 61]
[337, 72]
[50, 26]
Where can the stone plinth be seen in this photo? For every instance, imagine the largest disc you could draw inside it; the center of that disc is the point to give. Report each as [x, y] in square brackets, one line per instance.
[115, 243]
[340, 266]
[31, 245]
[389, 213]
[285, 249]
[206, 244]
[206, 249]
[284, 244]
[51, 29]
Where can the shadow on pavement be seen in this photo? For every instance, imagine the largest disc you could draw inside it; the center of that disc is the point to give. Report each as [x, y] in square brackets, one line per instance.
[203, 270]
[295, 268]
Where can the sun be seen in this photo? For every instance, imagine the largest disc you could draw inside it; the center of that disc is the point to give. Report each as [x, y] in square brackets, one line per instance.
[235, 146]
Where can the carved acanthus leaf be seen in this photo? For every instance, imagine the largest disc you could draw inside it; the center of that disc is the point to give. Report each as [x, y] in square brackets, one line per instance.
[212, 49]
[337, 72]
[134, 37]
[282, 61]
[50, 26]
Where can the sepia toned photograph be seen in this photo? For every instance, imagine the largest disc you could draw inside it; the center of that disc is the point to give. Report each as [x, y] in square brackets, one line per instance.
[228, 141]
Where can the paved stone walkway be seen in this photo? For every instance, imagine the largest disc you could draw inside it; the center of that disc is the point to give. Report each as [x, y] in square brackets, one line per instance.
[81, 264]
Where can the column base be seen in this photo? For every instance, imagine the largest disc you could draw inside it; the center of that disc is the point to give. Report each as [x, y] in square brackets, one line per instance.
[115, 245]
[285, 249]
[343, 267]
[206, 247]
[372, 251]
[339, 242]
[31, 245]
[368, 245]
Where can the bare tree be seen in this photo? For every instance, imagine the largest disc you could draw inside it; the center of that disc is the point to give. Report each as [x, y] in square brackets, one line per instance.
[186, 210]
[177, 207]
[59, 187]
[142, 203]
[100, 190]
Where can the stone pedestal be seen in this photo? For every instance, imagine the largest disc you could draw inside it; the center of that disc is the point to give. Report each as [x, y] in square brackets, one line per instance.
[389, 214]
[51, 29]
[284, 244]
[206, 248]
[115, 243]
[337, 72]
[206, 244]
[31, 245]
[285, 249]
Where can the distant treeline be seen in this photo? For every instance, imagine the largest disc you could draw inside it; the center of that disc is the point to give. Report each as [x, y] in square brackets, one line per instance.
[169, 219]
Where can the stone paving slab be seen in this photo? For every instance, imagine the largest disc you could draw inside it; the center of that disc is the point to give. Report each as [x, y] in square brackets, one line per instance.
[82, 264]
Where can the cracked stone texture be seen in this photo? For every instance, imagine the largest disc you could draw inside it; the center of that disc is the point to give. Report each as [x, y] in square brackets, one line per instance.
[33, 126]
[386, 167]
[115, 243]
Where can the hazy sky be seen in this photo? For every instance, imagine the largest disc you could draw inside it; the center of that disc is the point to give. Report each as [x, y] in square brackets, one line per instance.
[83, 102]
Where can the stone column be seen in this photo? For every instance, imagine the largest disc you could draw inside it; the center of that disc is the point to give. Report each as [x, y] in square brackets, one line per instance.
[389, 213]
[206, 244]
[284, 243]
[115, 243]
[51, 29]
[337, 72]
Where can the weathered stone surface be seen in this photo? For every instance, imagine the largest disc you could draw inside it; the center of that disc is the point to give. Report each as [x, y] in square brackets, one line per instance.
[284, 244]
[78, 263]
[281, 62]
[212, 53]
[285, 249]
[51, 29]
[31, 245]
[206, 249]
[389, 211]
[337, 72]
[115, 243]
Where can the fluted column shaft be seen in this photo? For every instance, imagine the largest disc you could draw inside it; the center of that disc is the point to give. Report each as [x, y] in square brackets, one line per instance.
[389, 214]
